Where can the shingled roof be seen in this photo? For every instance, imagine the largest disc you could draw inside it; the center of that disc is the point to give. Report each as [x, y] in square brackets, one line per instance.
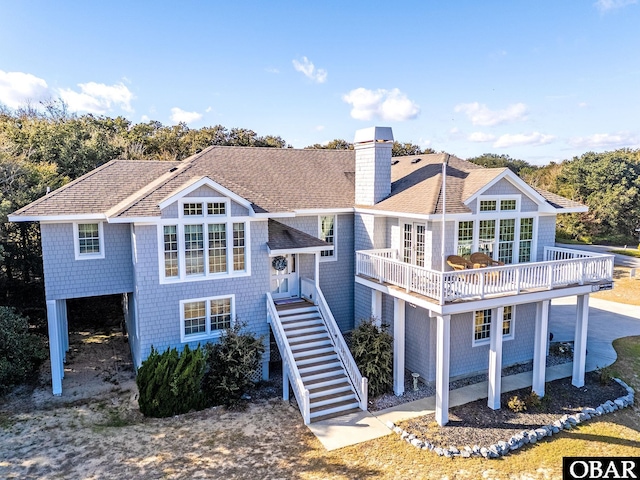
[273, 180]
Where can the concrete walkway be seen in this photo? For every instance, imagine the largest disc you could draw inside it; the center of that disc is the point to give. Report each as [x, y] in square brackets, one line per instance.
[607, 321]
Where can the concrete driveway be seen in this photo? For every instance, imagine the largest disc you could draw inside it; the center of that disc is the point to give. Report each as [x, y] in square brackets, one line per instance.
[607, 321]
[620, 260]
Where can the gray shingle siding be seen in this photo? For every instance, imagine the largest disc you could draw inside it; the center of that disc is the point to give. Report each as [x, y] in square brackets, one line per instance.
[546, 234]
[66, 277]
[505, 187]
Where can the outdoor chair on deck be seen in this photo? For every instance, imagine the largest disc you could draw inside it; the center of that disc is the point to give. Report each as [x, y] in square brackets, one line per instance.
[484, 260]
[458, 263]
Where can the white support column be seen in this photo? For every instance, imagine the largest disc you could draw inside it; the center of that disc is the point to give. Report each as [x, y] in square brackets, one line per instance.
[376, 306]
[285, 382]
[541, 342]
[443, 328]
[55, 347]
[398, 346]
[580, 341]
[495, 359]
[316, 276]
[65, 330]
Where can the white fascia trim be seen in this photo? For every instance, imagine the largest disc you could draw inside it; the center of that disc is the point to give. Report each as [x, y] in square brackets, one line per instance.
[516, 181]
[275, 252]
[323, 211]
[58, 218]
[193, 185]
[136, 220]
[268, 215]
[389, 213]
[572, 210]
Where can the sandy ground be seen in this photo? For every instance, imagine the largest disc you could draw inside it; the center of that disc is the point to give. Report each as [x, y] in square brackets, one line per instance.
[94, 430]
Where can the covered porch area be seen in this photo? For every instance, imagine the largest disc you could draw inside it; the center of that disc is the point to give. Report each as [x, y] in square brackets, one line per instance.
[449, 341]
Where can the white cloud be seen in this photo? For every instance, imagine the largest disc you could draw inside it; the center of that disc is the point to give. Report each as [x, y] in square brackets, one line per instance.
[583, 104]
[607, 5]
[178, 115]
[392, 105]
[144, 118]
[98, 97]
[319, 128]
[480, 114]
[308, 69]
[208, 109]
[606, 140]
[18, 88]
[518, 139]
[481, 137]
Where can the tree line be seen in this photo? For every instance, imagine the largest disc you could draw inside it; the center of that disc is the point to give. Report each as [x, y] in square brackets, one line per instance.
[43, 149]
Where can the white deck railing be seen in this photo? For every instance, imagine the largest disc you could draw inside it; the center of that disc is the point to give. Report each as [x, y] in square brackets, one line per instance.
[360, 384]
[288, 362]
[562, 267]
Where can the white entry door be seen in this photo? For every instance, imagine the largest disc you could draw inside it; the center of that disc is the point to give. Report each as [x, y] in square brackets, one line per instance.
[284, 276]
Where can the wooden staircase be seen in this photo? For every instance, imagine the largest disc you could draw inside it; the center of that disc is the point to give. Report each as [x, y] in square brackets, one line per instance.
[330, 391]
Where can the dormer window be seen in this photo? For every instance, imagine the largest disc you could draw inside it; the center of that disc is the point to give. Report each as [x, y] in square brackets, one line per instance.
[192, 209]
[507, 205]
[216, 208]
[487, 205]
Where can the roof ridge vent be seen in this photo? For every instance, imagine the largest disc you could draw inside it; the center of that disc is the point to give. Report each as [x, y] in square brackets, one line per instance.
[416, 160]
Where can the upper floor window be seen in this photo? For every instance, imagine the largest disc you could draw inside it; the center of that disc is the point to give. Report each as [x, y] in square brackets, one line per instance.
[89, 240]
[482, 324]
[205, 242]
[499, 203]
[327, 232]
[508, 240]
[487, 205]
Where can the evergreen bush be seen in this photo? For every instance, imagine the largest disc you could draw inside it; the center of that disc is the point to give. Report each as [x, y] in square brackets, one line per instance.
[372, 348]
[21, 352]
[231, 365]
[169, 383]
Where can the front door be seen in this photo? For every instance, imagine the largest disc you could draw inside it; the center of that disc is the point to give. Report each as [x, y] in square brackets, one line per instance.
[284, 276]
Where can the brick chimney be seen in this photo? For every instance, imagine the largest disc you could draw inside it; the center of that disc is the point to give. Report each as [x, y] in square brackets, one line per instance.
[373, 164]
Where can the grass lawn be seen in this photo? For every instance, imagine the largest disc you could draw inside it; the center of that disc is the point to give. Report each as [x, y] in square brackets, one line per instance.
[630, 252]
[626, 289]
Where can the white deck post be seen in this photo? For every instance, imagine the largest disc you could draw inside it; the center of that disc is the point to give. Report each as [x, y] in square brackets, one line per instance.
[442, 368]
[376, 306]
[55, 346]
[285, 381]
[495, 359]
[580, 341]
[540, 347]
[398, 346]
[317, 272]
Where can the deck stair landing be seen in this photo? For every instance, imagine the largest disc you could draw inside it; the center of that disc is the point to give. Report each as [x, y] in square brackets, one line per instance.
[330, 391]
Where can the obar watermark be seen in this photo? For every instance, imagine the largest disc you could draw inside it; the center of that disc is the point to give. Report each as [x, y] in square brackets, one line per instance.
[588, 468]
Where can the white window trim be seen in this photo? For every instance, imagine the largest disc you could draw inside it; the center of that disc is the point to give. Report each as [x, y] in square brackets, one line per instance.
[333, 257]
[76, 242]
[204, 221]
[203, 201]
[517, 216]
[497, 198]
[486, 341]
[208, 334]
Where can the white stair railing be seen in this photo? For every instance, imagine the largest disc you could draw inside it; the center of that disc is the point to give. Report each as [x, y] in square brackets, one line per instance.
[359, 383]
[288, 361]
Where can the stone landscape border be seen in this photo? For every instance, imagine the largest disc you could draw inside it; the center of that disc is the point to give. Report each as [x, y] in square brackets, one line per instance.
[501, 448]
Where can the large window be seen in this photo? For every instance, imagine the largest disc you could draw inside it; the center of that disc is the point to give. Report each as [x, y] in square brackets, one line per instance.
[89, 241]
[205, 317]
[327, 232]
[204, 242]
[499, 230]
[482, 325]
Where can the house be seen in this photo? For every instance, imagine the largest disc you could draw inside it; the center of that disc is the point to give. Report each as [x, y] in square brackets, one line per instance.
[304, 243]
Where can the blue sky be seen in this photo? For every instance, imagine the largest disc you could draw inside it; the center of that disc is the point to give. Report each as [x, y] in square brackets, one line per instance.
[537, 80]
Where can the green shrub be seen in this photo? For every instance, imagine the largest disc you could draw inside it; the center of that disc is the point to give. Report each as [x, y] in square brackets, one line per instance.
[21, 352]
[533, 401]
[169, 383]
[516, 405]
[604, 375]
[372, 348]
[231, 365]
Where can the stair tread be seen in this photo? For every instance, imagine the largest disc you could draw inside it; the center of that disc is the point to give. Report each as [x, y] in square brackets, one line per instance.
[328, 416]
[343, 403]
